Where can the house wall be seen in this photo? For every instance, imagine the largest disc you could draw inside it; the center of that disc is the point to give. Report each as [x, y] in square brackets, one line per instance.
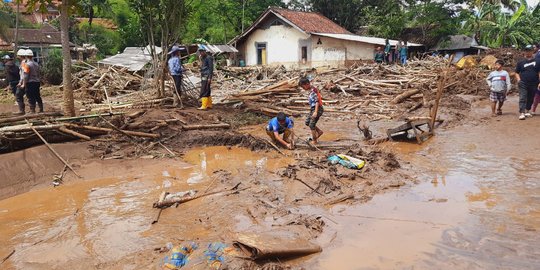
[283, 46]
[336, 52]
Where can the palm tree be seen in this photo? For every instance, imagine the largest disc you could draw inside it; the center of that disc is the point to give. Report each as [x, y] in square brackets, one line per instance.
[66, 9]
[477, 20]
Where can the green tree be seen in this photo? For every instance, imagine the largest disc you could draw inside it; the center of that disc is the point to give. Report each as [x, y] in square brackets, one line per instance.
[162, 23]
[385, 20]
[67, 7]
[434, 18]
[344, 12]
[505, 28]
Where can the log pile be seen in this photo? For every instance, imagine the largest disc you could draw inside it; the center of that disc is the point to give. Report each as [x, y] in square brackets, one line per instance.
[20, 132]
[99, 83]
[369, 90]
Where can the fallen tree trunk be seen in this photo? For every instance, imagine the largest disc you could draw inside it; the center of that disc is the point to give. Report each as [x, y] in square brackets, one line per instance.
[405, 95]
[74, 133]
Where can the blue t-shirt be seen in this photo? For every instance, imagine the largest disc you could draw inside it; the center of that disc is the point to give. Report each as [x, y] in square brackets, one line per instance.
[273, 125]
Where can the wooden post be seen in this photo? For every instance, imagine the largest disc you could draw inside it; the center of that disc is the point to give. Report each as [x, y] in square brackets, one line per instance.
[440, 90]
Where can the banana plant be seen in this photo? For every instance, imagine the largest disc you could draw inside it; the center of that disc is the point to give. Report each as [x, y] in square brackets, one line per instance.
[505, 30]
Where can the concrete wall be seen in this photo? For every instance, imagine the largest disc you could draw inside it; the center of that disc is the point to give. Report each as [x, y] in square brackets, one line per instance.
[335, 52]
[283, 47]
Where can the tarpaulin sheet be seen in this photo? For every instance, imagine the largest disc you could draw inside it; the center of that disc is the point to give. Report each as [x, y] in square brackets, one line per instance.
[265, 246]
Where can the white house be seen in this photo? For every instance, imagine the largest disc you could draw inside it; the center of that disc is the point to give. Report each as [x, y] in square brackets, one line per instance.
[302, 39]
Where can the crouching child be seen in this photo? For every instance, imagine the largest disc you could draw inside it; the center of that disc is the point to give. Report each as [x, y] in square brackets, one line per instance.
[281, 125]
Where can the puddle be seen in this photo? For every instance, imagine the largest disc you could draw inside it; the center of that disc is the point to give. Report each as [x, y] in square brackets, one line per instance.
[232, 159]
[100, 222]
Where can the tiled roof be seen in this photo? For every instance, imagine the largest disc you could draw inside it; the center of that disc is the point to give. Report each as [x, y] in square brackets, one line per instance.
[307, 22]
[311, 22]
[47, 35]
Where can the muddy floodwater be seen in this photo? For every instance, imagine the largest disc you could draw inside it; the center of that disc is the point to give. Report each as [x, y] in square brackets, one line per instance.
[476, 206]
[98, 222]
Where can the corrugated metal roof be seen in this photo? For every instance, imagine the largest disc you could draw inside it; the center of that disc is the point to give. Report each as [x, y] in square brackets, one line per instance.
[134, 58]
[364, 39]
[456, 42]
[218, 48]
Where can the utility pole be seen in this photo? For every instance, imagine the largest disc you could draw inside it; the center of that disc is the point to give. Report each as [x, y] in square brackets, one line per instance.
[243, 12]
[16, 43]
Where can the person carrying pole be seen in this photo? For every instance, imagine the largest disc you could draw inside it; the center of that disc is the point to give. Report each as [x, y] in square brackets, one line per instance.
[175, 69]
[207, 71]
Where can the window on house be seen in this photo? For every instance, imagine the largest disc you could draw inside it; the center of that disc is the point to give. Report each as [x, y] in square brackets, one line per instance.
[304, 53]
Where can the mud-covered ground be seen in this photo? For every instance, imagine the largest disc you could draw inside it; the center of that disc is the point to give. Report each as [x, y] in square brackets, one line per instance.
[447, 203]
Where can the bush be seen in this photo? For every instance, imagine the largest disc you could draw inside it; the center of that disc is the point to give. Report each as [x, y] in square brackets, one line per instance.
[52, 67]
[108, 42]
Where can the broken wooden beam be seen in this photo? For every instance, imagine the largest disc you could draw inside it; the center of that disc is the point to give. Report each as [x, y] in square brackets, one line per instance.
[74, 133]
[205, 126]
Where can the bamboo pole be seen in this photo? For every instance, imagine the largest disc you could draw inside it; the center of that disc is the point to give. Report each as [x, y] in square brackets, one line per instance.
[52, 150]
[74, 133]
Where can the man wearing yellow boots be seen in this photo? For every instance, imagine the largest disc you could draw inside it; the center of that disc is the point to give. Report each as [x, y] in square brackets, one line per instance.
[207, 71]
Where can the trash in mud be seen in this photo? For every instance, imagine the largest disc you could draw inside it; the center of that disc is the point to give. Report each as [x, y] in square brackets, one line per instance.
[167, 199]
[191, 256]
[273, 245]
[179, 256]
[347, 161]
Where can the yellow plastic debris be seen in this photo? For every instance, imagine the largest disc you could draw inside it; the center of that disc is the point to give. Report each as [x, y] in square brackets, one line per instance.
[466, 62]
[488, 61]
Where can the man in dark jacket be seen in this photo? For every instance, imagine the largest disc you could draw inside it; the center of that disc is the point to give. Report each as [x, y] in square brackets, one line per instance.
[12, 73]
[207, 71]
[527, 76]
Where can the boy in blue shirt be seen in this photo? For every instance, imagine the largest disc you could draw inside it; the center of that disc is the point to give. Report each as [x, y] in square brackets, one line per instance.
[281, 125]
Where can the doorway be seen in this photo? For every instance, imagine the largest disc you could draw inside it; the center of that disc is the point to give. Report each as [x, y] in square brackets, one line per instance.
[261, 53]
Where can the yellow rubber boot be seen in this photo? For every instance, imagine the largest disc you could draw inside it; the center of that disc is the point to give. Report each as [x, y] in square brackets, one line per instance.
[204, 103]
[209, 105]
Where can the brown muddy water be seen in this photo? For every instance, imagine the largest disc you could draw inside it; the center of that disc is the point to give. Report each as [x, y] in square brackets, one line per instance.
[477, 206]
[96, 223]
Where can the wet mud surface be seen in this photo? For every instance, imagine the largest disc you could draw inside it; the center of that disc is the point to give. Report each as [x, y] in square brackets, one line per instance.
[477, 206]
[466, 199]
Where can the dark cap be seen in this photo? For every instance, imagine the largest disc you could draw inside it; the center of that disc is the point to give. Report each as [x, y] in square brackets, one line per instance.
[281, 117]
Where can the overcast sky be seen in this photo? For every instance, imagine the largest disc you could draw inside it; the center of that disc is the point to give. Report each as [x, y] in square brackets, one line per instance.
[532, 3]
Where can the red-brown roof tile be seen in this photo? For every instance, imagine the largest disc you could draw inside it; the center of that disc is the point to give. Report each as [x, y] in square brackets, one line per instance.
[311, 22]
[46, 35]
